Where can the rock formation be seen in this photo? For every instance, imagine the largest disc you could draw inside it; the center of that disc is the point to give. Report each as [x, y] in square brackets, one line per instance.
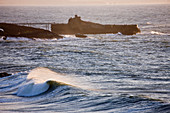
[13, 30]
[76, 25]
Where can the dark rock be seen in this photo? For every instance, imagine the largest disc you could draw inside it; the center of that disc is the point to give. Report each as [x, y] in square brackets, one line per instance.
[76, 25]
[14, 30]
[4, 74]
[80, 35]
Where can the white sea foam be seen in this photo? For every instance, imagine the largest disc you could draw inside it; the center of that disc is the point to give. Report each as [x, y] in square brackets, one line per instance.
[157, 33]
[68, 37]
[119, 33]
[1, 29]
[148, 23]
[154, 33]
[39, 39]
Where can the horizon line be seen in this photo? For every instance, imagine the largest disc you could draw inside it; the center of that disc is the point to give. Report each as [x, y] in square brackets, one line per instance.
[85, 4]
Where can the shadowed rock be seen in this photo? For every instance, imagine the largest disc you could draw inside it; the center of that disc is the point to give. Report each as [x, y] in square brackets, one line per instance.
[80, 35]
[13, 30]
[76, 25]
[4, 74]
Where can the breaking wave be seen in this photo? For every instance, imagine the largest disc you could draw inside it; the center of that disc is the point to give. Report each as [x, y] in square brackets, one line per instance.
[44, 80]
[33, 89]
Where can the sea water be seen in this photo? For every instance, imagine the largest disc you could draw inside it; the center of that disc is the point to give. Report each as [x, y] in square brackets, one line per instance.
[101, 73]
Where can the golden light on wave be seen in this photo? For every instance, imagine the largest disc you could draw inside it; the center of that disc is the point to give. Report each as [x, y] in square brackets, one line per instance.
[41, 75]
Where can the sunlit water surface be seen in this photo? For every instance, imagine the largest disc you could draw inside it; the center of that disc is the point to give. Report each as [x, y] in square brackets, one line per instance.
[103, 73]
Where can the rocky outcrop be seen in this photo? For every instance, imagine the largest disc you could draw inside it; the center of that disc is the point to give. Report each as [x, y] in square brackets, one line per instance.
[13, 30]
[80, 35]
[4, 74]
[76, 25]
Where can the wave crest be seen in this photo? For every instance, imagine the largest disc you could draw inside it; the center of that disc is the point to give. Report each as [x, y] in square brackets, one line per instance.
[45, 80]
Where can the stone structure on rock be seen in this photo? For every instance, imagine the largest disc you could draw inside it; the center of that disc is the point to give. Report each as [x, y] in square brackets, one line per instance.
[76, 25]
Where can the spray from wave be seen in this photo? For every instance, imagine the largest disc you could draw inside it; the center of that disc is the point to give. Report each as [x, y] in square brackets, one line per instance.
[44, 78]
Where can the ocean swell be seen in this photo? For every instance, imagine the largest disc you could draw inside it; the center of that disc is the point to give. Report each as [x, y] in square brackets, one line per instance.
[45, 80]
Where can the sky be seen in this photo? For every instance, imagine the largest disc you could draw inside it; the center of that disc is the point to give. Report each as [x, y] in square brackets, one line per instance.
[78, 2]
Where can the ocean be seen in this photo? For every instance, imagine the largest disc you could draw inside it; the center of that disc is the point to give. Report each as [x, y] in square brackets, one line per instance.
[103, 73]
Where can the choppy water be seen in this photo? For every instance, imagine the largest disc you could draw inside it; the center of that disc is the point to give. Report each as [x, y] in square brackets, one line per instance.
[106, 73]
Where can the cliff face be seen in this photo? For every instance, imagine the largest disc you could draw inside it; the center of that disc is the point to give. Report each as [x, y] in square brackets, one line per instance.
[13, 30]
[76, 25]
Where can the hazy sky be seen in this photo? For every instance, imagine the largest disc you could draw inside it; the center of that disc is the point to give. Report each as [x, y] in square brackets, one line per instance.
[80, 2]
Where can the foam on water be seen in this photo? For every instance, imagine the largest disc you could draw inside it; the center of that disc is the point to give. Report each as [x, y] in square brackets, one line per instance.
[157, 33]
[132, 71]
[38, 39]
[66, 37]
